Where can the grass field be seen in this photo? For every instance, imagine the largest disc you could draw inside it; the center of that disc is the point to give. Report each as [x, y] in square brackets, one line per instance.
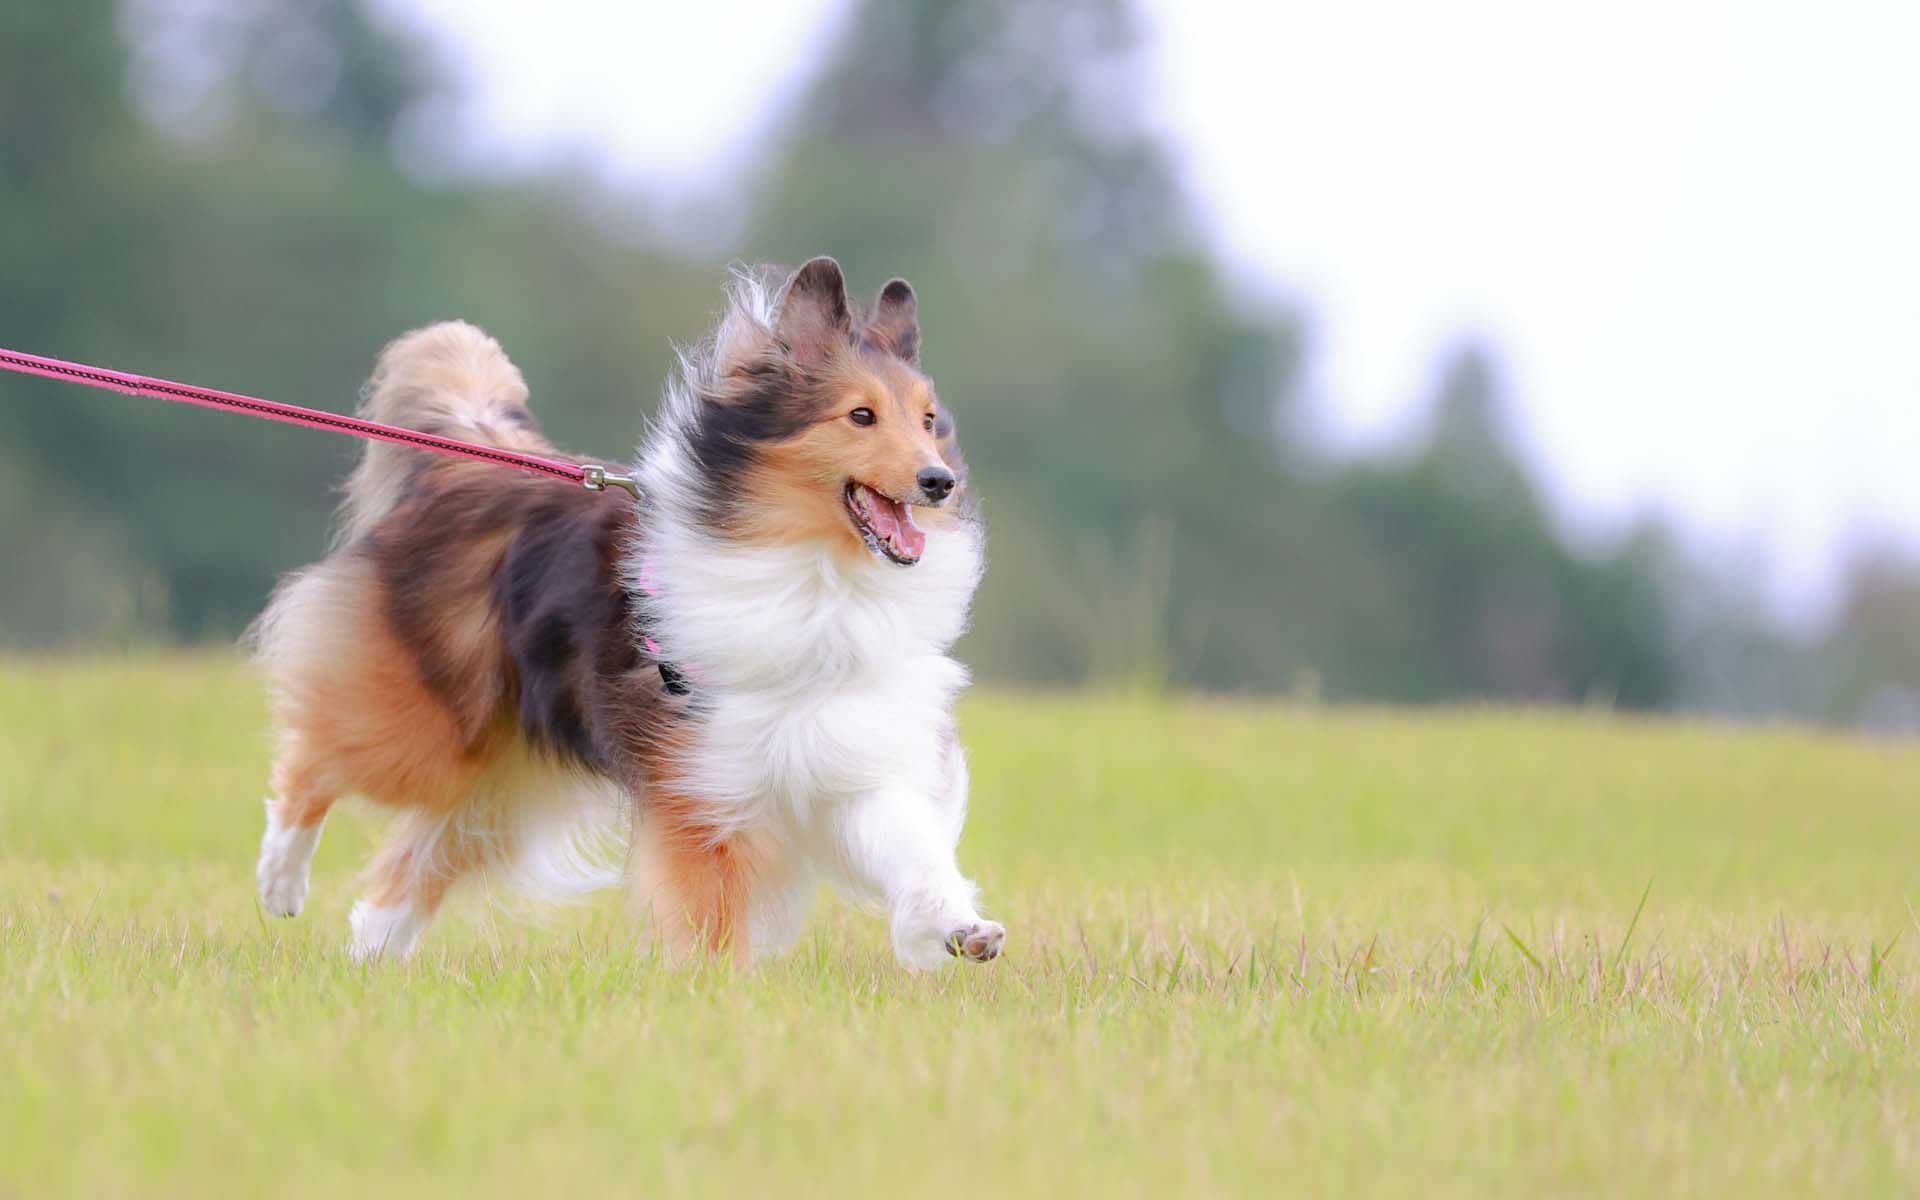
[1254, 950]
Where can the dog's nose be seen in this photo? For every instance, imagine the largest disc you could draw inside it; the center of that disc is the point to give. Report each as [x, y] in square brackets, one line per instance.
[935, 483]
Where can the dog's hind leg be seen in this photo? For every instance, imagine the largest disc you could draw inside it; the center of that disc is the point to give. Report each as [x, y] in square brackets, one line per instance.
[434, 847]
[295, 813]
[426, 855]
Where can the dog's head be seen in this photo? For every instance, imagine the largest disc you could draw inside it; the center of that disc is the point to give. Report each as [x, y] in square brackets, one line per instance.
[819, 423]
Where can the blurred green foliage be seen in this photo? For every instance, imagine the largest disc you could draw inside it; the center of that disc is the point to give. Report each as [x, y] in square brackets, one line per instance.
[247, 195]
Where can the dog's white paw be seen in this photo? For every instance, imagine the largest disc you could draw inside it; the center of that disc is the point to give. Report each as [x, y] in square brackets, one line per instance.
[980, 941]
[924, 942]
[286, 856]
[384, 930]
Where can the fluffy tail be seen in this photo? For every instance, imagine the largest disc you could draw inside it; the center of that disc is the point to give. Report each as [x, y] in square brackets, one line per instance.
[450, 379]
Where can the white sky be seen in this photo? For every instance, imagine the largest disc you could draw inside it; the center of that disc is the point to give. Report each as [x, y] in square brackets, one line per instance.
[1690, 229]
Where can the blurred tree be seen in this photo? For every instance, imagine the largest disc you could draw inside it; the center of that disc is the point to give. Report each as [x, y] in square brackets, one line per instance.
[200, 67]
[1873, 647]
[1502, 608]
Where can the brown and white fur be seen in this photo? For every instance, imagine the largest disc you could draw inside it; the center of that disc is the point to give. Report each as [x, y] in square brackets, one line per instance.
[478, 649]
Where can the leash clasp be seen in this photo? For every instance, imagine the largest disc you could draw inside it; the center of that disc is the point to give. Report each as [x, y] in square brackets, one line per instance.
[599, 479]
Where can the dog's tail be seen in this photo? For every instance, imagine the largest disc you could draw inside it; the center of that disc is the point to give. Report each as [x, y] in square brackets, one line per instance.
[449, 379]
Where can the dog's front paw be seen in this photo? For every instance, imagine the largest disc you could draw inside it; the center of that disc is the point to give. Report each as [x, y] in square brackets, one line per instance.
[927, 940]
[978, 942]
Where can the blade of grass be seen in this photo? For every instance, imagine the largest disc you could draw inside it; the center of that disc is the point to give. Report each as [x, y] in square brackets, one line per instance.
[1877, 959]
[1473, 949]
[1632, 925]
[1522, 948]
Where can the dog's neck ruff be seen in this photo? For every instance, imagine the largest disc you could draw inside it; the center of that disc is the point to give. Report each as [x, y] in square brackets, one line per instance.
[821, 676]
[793, 619]
[712, 614]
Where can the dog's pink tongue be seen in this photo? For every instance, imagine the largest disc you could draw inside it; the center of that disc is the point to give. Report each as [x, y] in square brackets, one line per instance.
[882, 520]
[911, 539]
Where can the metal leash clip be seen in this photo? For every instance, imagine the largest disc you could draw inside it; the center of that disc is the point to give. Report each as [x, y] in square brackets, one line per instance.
[598, 479]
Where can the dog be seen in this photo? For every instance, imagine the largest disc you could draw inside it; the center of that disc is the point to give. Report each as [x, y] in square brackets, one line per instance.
[748, 669]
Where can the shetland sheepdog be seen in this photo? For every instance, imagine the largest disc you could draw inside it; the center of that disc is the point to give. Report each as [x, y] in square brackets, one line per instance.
[746, 674]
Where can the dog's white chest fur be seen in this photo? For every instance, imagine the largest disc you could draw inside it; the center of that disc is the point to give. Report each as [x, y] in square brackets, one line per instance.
[819, 678]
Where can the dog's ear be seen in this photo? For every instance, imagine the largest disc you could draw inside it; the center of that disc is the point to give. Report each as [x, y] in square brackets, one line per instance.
[815, 318]
[894, 326]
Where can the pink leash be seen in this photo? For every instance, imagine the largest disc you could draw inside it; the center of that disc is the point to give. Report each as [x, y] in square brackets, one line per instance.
[592, 478]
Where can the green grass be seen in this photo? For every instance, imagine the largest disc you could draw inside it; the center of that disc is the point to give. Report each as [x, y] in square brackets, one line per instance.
[1254, 950]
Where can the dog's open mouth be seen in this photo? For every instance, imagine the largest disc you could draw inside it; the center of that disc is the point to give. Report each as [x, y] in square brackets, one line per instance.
[886, 524]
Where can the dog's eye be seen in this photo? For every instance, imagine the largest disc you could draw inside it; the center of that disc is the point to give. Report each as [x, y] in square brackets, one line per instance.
[928, 422]
[861, 416]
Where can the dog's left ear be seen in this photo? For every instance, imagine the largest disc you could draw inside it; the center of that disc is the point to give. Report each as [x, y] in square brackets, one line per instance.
[815, 318]
[895, 324]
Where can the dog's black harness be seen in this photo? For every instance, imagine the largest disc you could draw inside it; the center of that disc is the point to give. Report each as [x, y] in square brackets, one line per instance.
[672, 679]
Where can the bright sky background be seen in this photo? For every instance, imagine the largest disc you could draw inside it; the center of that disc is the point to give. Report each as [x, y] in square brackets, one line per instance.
[1690, 229]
